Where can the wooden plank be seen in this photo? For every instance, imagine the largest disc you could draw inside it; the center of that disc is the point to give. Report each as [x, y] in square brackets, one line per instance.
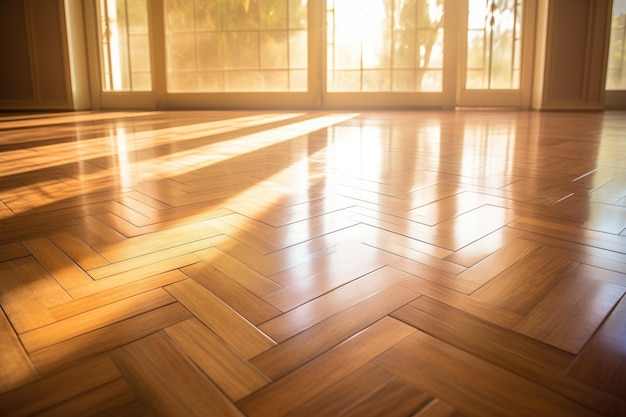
[417, 256]
[437, 408]
[166, 381]
[603, 361]
[126, 213]
[291, 391]
[343, 257]
[42, 394]
[268, 264]
[12, 251]
[303, 317]
[230, 372]
[102, 231]
[477, 251]
[346, 393]
[102, 400]
[506, 348]
[474, 225]
[296, 351]
[189, 214]
[600, 258]
[238, 271]
[117, 293]
[586, 237]
[486, 311]
[151, 258]
[496, 263]
[147, 200]
[27, 292]
[62, 268]
[59, 331]
[571, 313]
[156, 241]
[368, 391]
[78, 251]
[450, 374]
[436, 276]
[237, 332]
[16, 369]
[373, 236]
[20, 228]
[524, 284]
[57, 356]
[319, 283]
[137, 274]
[244, 302]
[447, 208]
[396, 398]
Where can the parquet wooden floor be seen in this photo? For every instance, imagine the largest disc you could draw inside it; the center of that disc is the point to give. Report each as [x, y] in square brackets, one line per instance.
[426, 264]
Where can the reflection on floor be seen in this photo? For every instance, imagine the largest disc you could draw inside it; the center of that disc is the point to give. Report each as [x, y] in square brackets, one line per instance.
[200, 263]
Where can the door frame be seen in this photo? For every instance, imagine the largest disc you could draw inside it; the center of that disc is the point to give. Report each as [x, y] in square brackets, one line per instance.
[453, 93]
[516, 98]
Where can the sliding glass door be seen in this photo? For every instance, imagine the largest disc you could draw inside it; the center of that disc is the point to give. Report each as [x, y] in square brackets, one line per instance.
[496, 54]
[388, 52]
[333, 53]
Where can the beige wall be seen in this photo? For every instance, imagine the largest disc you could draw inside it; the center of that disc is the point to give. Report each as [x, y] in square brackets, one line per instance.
[35, 56]
[571, 50]
[15, 75]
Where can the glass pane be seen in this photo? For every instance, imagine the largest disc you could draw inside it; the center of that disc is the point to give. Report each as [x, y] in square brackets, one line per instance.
[139, 53]
[274, 50]
[241, 50]
[298, 80]
[273, 14]
[616, 73]
[124, 45]
[493, 44]
[368, 41]
[236, 45]
[298, 54]
[297, 14]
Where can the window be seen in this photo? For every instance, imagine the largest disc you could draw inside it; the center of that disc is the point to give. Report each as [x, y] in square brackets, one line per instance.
[236, 45]
[494, 37]
[616, 72]
[331, 53]
[384, 45]
[124, 45]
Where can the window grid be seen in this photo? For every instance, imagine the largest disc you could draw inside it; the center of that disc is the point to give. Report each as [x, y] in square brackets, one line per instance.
[119, 57]
[251, 69]
[616, 70]
[354, 78]
[493, 67]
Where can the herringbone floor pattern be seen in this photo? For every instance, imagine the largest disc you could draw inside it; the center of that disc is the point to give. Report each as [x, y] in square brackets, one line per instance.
[266, 264]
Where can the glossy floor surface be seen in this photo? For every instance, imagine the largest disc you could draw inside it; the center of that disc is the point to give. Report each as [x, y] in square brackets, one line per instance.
[313, 264]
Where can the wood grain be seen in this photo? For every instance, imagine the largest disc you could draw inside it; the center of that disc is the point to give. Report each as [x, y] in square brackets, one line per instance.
[17, 368]
[603, 360]
[291, 391]
[312, 263]
[240, 334]
[167, 382]
[440, 370]
[232, 373]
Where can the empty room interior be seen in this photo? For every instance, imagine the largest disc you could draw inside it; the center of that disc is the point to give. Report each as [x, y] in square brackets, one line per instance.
[268, 208]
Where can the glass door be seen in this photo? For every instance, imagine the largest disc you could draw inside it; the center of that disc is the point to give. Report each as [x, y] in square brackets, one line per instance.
[238, 53]
[299, 53]
[389, 53]
[496, 58]
[615, 94]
